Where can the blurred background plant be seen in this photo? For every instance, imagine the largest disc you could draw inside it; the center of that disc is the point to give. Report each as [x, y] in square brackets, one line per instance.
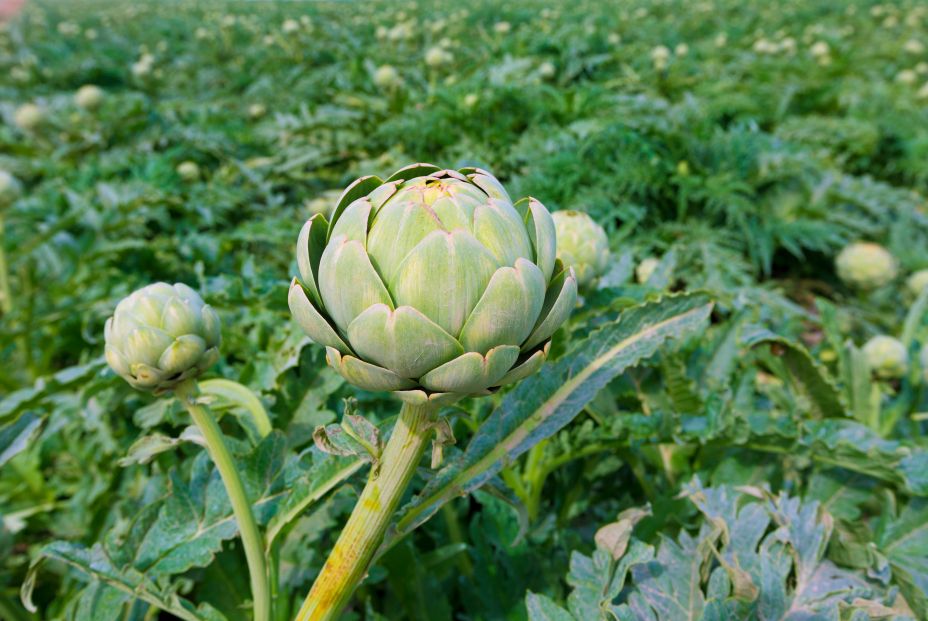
[724, 146]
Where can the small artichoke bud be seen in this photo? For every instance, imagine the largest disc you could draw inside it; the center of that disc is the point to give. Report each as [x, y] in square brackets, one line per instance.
[887, 357]
[437, 56]
[10, 189]
[28, 116]
[188, 171]
[581, 243]
[89, 97]
[645, 269]
[161, 335]
[865, 265]
[915, 283]
[387, 77]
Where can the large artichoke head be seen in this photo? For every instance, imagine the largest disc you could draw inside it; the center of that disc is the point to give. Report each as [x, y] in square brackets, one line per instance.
[432, 284]
[581, 244]
[161, 335]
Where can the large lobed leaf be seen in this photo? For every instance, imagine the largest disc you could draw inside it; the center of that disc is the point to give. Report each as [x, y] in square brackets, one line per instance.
[191, 521]
[755, 556]
[543, 404]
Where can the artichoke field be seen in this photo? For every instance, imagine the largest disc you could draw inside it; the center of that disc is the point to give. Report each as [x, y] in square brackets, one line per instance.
[647, 341]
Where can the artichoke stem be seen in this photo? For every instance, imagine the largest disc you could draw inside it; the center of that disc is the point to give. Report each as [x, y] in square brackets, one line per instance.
[6, 297]
[350, 559]
[186, 392]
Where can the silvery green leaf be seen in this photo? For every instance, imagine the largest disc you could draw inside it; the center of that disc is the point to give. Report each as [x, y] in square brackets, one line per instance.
[544, 403]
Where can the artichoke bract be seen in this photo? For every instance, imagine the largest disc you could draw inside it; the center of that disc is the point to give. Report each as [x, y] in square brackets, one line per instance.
[432, 284]
[161, 335]
[887, 357]
[581, 244]
[865, 265]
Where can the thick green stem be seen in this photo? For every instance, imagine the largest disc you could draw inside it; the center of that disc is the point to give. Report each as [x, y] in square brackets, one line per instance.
[6, 298]
[351, 557]
[186, 393]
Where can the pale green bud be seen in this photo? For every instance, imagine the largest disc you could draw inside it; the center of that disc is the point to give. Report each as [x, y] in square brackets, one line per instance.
[865, 265]
[645, 269]
[188, 171]
[917, 282]
[28, 116]
[437, 56]
[432, 284]
[887, 357]
[387, 77]
[582, 244]
[89, 97]
[162, 335]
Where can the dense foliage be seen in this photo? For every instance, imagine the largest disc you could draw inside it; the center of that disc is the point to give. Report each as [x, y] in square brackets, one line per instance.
[757, 462]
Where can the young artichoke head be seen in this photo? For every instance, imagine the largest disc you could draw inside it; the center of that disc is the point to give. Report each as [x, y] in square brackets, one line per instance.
[161, 335]
[582, 244]
[432, 284]
[887, 357]
[865, 265]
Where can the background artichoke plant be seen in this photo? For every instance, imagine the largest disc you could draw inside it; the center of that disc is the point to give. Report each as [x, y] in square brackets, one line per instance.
[161, 335]
[581, 244]
[432, 283]
[865, 265]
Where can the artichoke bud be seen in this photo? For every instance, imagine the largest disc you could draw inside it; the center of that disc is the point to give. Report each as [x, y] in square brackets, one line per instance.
[28, 117]
[582, 244]
[887, 357]
[89, 97]
[10, 189]
[454, 289]
[162, 335]
[865, 265]
[645, 269]
[916, 283]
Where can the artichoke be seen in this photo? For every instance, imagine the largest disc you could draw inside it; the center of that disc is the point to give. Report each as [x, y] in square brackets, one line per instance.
[865, 265]
[887, 357]
[162, 335]
[89, 97]
[28, 116]
[432, 284]
[916, 283]
[581, 244]
[387, 77]
[188, 171]
[645, 269]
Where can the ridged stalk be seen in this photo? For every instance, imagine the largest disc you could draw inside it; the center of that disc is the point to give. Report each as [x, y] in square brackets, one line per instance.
[350, 559]
[186, 393]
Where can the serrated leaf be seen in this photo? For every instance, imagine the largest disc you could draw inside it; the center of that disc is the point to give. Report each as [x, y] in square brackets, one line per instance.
[904, 541]
[544, 403]
[96, 563]
[15, 437]
[314, 476]
[809, 376]
[542, 608]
